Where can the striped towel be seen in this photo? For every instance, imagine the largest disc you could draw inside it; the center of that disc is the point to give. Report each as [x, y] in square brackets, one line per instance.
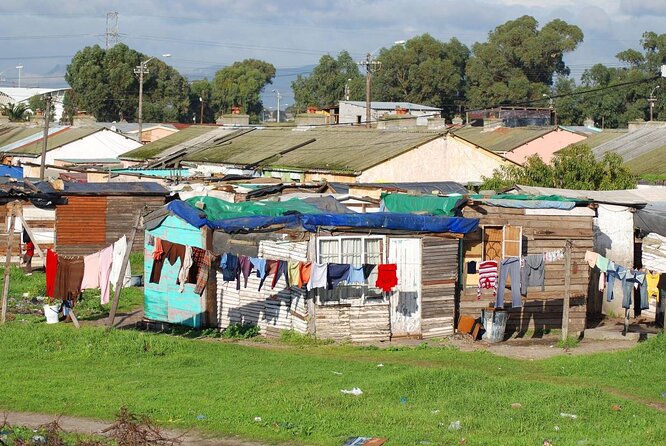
[487, 277]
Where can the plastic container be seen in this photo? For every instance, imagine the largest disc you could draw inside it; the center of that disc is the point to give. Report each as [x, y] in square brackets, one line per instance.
[494, 324]
[136, 280]
[51, 313]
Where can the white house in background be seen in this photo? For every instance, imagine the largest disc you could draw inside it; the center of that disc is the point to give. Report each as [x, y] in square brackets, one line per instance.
[13, 95]
[353, 112]
[71, 146]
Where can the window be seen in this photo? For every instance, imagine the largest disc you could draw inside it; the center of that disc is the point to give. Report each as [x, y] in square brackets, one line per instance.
[355, 250]
[500, 242]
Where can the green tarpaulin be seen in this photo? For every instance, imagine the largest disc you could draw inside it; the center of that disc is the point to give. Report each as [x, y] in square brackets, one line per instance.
[217, 209]
[429, 204]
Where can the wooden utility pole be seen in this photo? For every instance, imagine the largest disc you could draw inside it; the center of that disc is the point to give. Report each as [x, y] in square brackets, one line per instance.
[201, 112]
[45, 138]
[567, 290]
[371, 66]
[123, 268]
[8, 259]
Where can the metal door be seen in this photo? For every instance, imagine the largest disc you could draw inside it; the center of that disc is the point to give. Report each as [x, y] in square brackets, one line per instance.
[405, 300]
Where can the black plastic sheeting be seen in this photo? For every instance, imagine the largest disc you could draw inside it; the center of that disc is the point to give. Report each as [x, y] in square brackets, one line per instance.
[652, 218]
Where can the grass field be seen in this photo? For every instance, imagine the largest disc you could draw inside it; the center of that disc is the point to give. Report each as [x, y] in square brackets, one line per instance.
[290, 391]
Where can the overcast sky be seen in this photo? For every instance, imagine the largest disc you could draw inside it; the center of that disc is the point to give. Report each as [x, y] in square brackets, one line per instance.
[199, 34]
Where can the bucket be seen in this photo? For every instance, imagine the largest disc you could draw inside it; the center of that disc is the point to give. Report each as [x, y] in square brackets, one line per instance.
[51, 313]
[136, 280]
[494, 323]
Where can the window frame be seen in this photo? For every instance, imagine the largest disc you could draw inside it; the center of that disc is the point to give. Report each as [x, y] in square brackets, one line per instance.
[504, 240]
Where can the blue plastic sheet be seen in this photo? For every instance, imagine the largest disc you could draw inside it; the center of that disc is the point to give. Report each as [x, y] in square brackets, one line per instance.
[311, 222]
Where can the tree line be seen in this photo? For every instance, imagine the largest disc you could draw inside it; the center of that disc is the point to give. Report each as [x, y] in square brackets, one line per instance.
[520, 63]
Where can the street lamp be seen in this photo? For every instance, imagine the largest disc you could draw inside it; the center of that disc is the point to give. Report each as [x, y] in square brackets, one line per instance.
[202, 104]
[19, 68]
[141, 69]
[652, 100]
[278, 104]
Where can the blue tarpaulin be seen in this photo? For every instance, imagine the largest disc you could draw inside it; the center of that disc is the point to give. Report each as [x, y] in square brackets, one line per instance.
[311, 222]
[11, 171]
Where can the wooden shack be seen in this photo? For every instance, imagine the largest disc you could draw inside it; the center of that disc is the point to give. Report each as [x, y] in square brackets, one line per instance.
[515, 231]
[98, 214]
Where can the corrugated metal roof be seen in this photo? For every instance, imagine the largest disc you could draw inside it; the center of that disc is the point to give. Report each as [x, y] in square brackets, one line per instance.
[631, 197]
[55, 140]
[602, 137]
[335, 150]
[633, 144]
[502, 139]
[442, 187]
[379, 105]
[122, 188]
[9, 134]
[653, 162]
[162, 145]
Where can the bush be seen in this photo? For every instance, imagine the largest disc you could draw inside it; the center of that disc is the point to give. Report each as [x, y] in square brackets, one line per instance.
[240, 331]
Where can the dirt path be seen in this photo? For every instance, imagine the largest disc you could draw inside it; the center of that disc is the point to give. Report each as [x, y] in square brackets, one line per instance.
[95, 427]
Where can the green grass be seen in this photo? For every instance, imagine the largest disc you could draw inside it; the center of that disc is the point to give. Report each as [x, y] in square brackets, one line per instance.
[295, 389]
[569, 342]
[24, 292]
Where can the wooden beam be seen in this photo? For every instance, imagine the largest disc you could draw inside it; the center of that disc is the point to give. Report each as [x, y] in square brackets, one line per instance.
[123, 268]
[31, 235]
[8, 260]
[567, 290]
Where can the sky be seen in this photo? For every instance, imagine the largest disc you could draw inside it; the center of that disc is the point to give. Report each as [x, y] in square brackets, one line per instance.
[205, 35]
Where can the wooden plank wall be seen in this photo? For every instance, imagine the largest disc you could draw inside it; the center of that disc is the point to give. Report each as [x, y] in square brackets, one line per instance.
[542, 310]
[121, 214]
[438, 281]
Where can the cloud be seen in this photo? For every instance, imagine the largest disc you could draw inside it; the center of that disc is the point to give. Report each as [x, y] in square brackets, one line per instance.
[643, 7]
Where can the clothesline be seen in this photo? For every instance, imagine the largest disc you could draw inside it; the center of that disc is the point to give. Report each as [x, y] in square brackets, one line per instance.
[195, 263]
[645, 281]
[525, 271]
[68, 276]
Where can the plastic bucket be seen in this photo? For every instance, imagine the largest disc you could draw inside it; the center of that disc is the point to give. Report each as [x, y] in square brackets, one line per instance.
[51, 313]
[494, 324]
[136, 280]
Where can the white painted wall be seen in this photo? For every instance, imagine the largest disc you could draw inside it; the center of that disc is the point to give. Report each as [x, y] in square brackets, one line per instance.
[614, 239]
[443, 159]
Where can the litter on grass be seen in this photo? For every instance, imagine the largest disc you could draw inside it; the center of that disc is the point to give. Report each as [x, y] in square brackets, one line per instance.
[455, 426]
[336, 373]
[355, 391]
[568, 415]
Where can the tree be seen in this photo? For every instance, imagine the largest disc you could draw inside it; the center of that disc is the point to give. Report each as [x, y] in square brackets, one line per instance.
[518, 61]
[327, 82]
[15, 112]
[240, 85]
[424, 71]
[574, 167]
[37, 103]
[105, 86]
[201, 89]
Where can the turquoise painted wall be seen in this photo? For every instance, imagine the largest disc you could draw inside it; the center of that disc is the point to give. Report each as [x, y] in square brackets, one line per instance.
[163, 301]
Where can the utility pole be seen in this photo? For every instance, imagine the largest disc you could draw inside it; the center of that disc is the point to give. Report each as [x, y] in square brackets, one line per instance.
[45, 138]
[19, 68]
[371, 65]
[202, 103]
[141, 69]
[652, 100]
[278, 104]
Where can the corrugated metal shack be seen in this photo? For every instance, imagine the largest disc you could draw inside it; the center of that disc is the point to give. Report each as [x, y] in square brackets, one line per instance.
[518, 226]
[97, 214]
[425, 249]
